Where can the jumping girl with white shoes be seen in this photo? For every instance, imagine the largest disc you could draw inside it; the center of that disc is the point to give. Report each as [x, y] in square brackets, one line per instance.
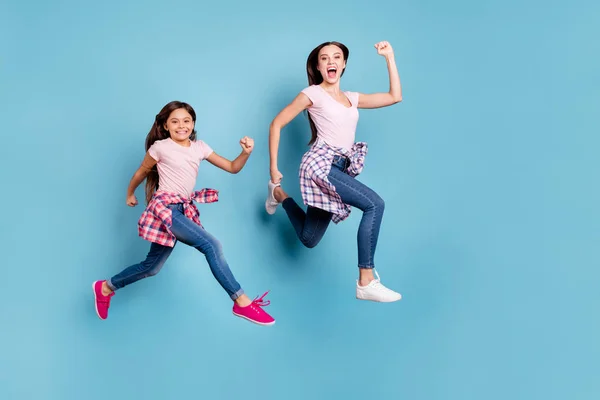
[328, 169]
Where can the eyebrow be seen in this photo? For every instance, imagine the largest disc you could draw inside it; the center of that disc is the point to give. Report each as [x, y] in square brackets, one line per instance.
[335, 54]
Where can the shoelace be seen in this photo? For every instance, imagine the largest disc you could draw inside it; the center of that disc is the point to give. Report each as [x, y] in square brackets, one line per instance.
[105, 299]
[377, 281]
[260, 302]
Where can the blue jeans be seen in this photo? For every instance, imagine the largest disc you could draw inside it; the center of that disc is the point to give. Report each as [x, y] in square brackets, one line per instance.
[186, 231]
[311, 226]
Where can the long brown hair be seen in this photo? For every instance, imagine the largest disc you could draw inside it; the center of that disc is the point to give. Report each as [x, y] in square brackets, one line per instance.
[315, 77]
[158, 132]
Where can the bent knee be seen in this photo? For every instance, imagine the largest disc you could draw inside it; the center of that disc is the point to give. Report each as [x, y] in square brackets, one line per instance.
[310, 242]
[379, 202]
[152, 270]
[211, 247]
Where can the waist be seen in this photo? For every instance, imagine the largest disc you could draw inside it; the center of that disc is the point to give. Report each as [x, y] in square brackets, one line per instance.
[341, 162]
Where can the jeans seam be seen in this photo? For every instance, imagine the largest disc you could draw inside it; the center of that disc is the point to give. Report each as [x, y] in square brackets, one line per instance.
[225, 278]
[371, 251]
[314, 232]
[145, 271]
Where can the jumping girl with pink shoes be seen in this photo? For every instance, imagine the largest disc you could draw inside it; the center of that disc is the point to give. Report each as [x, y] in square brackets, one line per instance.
[170, 168]
[328, 169]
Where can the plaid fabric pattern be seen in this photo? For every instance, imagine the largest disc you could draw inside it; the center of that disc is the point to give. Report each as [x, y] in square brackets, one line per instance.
[155, 222]
[316, 189]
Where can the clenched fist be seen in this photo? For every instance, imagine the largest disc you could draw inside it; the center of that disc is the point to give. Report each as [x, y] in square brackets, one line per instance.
[247, 144]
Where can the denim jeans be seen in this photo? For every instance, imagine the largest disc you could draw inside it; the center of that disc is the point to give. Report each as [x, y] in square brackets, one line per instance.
[187, 232]
[311, 226]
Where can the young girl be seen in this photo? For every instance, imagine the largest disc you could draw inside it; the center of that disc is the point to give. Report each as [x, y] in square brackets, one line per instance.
[170, 168]
[329, 168]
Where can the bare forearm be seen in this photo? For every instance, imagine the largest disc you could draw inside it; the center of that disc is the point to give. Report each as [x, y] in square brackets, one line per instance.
[395, 86]
[136, 180]
[274, 135]
[239, 162]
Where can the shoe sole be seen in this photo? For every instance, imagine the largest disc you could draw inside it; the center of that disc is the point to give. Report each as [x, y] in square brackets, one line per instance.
[96, 301]
[253, 321]
[270, 210]
[270, 207]
[379, 301]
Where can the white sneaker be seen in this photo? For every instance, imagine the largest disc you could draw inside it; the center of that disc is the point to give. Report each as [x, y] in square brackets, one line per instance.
[375, 291]
[271, 204]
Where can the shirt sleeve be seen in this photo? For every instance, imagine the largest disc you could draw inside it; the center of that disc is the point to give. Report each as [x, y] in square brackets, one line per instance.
[314, 93]
[154, 150]
[204, 150]
[353, 96]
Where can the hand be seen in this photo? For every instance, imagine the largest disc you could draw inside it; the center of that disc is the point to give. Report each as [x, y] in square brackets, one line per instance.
[247, 144]
[276, 176]
[131, 200]
[384, 49]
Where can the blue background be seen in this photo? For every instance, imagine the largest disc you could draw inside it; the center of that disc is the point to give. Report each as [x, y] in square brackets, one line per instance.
[489, 168]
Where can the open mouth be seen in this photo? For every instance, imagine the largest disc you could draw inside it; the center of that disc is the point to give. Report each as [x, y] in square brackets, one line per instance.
[331, 72]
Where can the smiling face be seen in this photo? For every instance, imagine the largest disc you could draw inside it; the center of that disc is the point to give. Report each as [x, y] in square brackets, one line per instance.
[180, 125]
[331, 63]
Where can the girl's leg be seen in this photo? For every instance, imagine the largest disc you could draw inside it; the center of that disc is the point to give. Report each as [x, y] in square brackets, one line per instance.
[104, 290]
[155, 259]
[310, 226]
[186, 231]
[358, 195]
[372, 205]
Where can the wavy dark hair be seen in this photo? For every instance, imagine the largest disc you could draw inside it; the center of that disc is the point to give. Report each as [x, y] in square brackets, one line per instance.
[315, 77]
[158, 132]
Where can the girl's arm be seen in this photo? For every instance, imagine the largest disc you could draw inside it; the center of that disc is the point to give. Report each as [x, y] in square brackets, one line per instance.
[299, 104]
[138, 177]
[377, 100]
[236, 165]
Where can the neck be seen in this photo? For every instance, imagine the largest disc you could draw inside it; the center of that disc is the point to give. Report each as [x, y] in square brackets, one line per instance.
[331, 87]
[184, 143]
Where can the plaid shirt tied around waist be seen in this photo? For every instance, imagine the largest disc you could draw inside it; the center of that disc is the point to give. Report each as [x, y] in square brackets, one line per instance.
[316, 189]
[155, 222]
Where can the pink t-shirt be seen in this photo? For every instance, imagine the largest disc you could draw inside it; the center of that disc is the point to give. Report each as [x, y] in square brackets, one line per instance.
[177, 165]
[336, 123]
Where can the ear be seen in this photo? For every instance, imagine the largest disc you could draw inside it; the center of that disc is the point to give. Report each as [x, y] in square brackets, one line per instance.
[165, 127]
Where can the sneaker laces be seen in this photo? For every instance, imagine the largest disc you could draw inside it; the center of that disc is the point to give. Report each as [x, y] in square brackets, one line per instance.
[376, 283]
[105, 299]
[260, 302]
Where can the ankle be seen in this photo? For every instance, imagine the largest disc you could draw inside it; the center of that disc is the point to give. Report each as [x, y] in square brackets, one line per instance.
[243, 301]
[105, 289]
[365, 276]
[279, 194]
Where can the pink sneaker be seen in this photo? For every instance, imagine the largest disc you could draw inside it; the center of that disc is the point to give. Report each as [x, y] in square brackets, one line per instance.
[102, 301]
[254, 313]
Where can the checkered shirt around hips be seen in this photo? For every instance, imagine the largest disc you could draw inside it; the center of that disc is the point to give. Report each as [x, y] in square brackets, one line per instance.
[316, 189]
[155, 222]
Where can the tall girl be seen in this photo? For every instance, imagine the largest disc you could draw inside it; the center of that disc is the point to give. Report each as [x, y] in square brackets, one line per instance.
[170, 168]
[328, 169]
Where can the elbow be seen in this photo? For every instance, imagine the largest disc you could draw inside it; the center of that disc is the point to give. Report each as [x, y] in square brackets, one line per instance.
[275, 126]
[142, 173]
[234, 170]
